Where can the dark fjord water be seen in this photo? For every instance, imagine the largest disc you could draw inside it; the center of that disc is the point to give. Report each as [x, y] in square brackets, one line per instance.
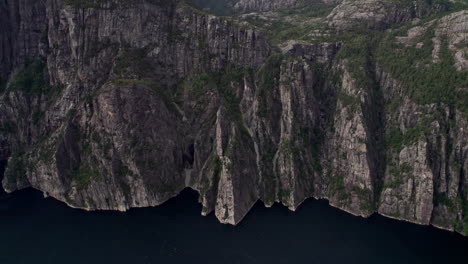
[37, 230]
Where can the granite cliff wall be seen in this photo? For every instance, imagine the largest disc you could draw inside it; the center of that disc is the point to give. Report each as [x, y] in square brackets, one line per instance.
[109, 105]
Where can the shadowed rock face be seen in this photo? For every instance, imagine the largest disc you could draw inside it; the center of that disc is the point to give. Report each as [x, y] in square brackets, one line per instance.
[109, 105]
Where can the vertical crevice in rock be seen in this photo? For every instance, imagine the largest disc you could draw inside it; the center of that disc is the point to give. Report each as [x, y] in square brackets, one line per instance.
[68, 156]
[188, 157]
[5, 42]
[3, 164]
[374, 118]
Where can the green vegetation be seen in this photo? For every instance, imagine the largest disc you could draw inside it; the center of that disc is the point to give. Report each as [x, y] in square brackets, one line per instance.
[80, 3]
[225, 89]
[338, 188]
[284, 194]
[292, 23]
[223, 83]
[84, 176]
[353, 103]
[144, 81]
[358, 53]
[289, 150]
[32, 82]
[396, 139]
[443, 199]
[465, 214]
[110, 5]
[457, 5]
[425, 81]
[133, 62]
[31, 79]
[455, 165]
[365, 198]
[86, 3]
[214, 166]
[198, 85]
[217, 7]
[398, 172]
[348, 100]
[455, 206]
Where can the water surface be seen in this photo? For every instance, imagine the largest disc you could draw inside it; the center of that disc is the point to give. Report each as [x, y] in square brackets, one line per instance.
[38, 230]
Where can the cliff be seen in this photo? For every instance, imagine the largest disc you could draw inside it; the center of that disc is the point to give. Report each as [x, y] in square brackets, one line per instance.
[109, 105]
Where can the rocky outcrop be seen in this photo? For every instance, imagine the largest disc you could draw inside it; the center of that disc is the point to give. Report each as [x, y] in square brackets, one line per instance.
[145, 57]
[265, 5]
[454, 27]
[246, 6]
[113, 105]
[424, 182]
[379, 14]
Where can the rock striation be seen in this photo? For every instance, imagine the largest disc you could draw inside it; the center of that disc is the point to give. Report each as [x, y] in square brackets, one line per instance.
[110, 105]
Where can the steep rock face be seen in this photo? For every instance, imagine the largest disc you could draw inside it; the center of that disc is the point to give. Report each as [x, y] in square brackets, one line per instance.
[454, 27]
[226, 7]
[426, 154]
[146, 57]
[424, 180]
[117, 105]
[244, 6]
[378, 14]
[265, 5]
[350, 186]
[22, 35]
